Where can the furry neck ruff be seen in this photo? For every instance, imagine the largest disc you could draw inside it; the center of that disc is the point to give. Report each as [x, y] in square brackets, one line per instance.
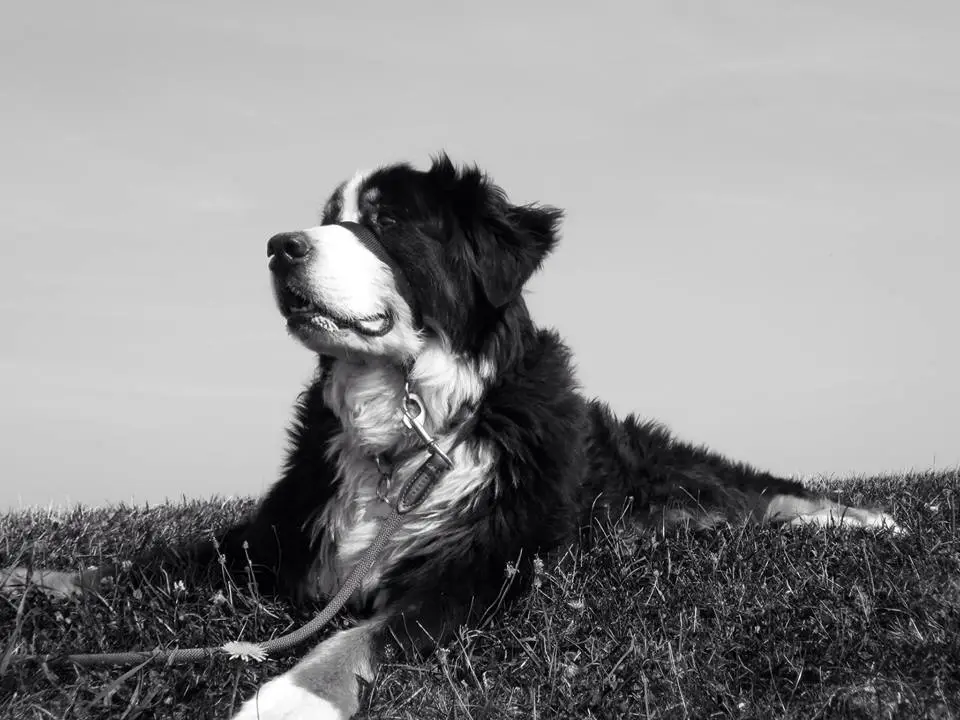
[365, 395]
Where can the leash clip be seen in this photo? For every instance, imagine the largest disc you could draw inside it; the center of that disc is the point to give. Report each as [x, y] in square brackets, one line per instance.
[412, 413]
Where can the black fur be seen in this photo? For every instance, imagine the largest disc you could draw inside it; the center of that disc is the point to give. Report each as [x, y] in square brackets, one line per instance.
[562, 458]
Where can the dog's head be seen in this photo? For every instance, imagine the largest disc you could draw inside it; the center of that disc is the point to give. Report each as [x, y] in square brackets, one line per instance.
[401, 254]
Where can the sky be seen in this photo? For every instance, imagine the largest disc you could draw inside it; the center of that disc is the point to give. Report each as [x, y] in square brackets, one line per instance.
[761, 245]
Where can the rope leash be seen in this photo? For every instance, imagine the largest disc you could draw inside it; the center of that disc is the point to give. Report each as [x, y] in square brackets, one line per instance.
[240, 649]
[412, 494]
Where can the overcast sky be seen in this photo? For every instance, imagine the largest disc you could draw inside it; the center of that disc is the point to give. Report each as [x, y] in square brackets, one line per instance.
[761, 247]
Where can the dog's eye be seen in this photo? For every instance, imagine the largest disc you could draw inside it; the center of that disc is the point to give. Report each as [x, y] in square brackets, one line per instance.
[385, 219]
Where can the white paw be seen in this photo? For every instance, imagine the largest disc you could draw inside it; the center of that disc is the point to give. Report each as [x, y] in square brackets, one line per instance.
[282, 699]
[53, 582]
[885, 521]
[852, 517]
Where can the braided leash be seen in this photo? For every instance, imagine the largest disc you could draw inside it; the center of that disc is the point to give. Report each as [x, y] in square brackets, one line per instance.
[412, 494]
[240, 649]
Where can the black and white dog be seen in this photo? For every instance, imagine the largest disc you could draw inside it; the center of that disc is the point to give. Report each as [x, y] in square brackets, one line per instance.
[412, 283]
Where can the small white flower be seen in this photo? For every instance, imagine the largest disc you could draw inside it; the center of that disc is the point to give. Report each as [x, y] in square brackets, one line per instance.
[510, 570]
[218, 598]
[126, 565]
[240, 650]
[179, 586]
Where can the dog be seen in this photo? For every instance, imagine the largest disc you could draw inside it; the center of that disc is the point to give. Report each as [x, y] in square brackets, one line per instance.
[410, 293]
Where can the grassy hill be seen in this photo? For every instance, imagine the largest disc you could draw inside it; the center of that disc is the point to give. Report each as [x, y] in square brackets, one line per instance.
[740, 621]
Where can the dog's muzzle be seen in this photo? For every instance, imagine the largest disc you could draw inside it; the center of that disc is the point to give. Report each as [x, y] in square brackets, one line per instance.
[286, 250]
[371, 242]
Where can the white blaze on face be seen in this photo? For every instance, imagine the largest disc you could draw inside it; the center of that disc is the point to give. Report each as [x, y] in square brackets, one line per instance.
[345, 276]
[350, 210]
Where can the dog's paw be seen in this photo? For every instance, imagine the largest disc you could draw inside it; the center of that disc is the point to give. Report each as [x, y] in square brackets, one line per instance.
[283, 699]
[55, 583]
[851, 517]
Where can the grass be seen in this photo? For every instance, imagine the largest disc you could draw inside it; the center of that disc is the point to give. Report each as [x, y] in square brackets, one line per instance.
[735, 622]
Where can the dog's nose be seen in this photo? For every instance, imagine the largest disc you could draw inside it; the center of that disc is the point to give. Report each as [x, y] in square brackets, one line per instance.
[292, 247]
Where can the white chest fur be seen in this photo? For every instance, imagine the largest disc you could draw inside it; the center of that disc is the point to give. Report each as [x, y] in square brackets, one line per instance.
[366, 397]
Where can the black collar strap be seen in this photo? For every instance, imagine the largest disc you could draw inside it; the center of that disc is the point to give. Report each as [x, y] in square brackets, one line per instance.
[372, 243]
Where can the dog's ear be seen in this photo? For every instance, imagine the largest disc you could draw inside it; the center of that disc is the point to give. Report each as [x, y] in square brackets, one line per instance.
[509, 242]
[524, 236]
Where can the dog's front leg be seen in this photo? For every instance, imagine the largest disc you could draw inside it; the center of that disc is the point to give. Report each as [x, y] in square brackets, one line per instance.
[325, 684]
[56, 583]
[67, 583]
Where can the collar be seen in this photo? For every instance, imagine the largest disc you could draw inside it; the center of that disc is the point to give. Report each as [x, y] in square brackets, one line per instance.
[437, 462]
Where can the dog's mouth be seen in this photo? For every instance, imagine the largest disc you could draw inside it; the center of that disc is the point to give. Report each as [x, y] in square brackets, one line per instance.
[304, 312]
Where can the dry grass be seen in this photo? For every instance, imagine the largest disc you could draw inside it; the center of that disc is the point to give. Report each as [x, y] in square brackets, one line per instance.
[742, 622]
